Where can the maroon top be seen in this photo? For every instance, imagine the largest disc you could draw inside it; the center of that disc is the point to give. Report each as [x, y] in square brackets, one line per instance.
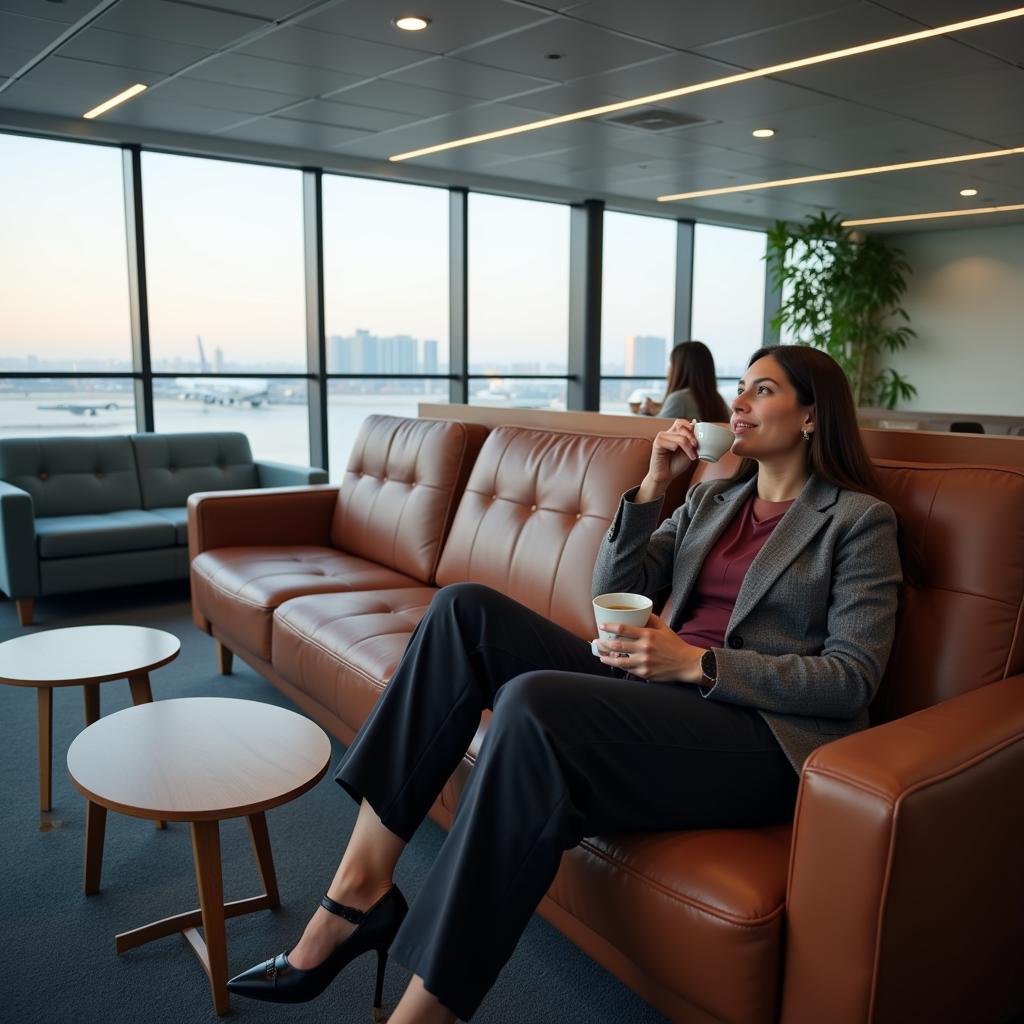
[711, 601]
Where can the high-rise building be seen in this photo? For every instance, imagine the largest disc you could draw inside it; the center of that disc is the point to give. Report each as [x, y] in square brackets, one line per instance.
[430, 356]
[645, 356]
[397, 354]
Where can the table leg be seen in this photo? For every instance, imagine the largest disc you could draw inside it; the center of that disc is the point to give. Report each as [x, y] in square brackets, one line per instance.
[206, 854]
[142, 694]
[91, 694]
[95, 829]
[264, 857]
[44, 700]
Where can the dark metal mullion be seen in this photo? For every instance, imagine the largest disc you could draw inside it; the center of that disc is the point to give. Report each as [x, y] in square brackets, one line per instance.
[586, 241]
[683, 324]
[316, 339]
[138, 303]
[458, 290]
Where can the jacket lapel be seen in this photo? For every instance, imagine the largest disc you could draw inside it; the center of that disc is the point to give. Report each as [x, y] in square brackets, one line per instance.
[707, 526]
[807, 515]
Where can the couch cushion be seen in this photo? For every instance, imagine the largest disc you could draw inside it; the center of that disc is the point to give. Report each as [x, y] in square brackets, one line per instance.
[400, 490]
[178, 518]
[533, 515]
[173, 466]
[128, 530]
[342, 649]
[72, 475]
[239, 588]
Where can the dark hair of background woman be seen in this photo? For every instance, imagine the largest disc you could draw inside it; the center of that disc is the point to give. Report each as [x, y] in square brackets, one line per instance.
[692, 366]
[835, 451]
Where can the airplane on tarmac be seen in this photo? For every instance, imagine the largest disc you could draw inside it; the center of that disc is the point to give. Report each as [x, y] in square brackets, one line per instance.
[81, 410]
[252, 391]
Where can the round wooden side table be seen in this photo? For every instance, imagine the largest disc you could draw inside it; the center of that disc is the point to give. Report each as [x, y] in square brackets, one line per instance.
[81, 656]
[200, 760]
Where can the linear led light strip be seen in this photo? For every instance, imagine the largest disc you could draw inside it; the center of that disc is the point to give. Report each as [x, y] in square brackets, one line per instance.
[833, 175]
[715, 83]
[933, 216]
[121, 97]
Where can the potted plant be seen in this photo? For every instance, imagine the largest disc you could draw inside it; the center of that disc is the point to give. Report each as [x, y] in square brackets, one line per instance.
[841, 292]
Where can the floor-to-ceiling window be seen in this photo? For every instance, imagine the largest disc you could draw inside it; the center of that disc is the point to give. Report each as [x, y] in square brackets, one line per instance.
[637, 308]
[386, 302]
[63, 290]
[728, 297]
[226, 288]
[518, 302]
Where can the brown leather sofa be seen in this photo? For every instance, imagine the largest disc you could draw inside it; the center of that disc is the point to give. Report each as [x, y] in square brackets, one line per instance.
[895, 896]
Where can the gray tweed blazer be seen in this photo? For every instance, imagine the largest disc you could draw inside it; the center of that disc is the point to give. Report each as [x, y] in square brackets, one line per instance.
[813, 623]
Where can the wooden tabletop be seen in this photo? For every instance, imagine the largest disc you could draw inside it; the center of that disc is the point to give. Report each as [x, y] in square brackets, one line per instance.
[198, 758]
[84, 654]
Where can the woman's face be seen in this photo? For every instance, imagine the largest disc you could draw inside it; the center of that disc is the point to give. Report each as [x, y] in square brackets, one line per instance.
[767, 417]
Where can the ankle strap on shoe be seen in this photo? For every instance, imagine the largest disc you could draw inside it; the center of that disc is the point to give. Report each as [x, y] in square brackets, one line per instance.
[349, 913]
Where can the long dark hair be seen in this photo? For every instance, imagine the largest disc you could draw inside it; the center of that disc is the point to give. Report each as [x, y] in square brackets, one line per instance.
[835, 451]
[692, 366]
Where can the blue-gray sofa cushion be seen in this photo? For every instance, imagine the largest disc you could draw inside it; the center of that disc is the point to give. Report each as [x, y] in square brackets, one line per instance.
[127, 530]
[178, 518]
[72, 475]
[173, 466]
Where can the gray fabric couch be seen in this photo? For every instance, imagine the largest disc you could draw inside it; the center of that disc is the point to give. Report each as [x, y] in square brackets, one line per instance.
[78, 513]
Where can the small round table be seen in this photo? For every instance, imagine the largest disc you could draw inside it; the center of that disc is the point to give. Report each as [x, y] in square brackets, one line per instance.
[81, 656]
[200, 760]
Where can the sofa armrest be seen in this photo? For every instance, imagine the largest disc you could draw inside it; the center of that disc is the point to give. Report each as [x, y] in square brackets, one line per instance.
[281, 474]
[905, 895]
[19, 559]
[281, 515]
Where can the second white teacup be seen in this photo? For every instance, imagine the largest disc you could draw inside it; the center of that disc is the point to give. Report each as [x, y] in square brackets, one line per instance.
[627, 609]
[713, 441]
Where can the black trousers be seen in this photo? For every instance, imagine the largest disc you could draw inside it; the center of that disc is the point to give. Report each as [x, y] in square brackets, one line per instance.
[575, 748]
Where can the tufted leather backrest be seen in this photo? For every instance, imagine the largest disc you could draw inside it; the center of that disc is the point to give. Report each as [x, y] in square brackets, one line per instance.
[72, 475]
[533, 515]
[961, 621]
[403, 481]
[173, 466]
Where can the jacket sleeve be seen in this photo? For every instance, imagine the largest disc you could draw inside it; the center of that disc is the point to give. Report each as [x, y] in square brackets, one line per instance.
[636, 555]
[841, 681]
[680, 405]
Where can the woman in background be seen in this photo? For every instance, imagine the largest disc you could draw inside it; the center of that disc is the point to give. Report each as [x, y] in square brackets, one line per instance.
[691, 392]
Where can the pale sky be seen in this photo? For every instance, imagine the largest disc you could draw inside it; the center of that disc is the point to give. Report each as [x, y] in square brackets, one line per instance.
[224, 253]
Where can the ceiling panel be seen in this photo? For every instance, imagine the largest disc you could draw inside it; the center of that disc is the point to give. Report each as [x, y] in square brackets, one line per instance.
[386, 94]
[67, 11]
[178, 23]
[278, 76]
[449, 74]
[566, 99]
[285, 132]
[454, 23]
[688, 25]
[86, 83]
[12, 60]
[348, 115]
[106, 47]
[223, 97]
[151, 111]
[583, 50]
[271, 10]
[1004, 39]
[33, 34]
[339, 53]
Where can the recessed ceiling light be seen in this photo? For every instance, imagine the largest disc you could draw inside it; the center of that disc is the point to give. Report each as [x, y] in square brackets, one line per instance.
[833, 175]
[968, 191]
[412, 23]
[763, 133]
[932, 216]
[114, 101]
[715, 83]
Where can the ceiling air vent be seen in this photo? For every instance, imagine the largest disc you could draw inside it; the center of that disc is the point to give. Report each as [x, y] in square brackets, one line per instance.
[655, 119]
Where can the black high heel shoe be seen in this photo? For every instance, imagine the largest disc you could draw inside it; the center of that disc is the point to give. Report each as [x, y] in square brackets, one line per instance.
[277, 981]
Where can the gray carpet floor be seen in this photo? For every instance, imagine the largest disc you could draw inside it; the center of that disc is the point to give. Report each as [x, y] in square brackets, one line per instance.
[59, 944]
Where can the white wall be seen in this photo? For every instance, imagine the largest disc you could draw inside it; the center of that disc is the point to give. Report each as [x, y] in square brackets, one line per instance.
[966, 302]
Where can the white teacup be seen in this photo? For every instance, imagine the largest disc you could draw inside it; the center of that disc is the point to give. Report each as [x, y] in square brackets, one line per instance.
[627, 609]
[713, 441]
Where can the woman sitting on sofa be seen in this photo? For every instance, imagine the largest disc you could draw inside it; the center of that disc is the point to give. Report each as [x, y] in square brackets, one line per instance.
[783, 589]
[691, 390]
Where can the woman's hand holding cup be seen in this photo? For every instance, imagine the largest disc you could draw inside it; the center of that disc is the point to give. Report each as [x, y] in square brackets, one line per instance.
[672, 453]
